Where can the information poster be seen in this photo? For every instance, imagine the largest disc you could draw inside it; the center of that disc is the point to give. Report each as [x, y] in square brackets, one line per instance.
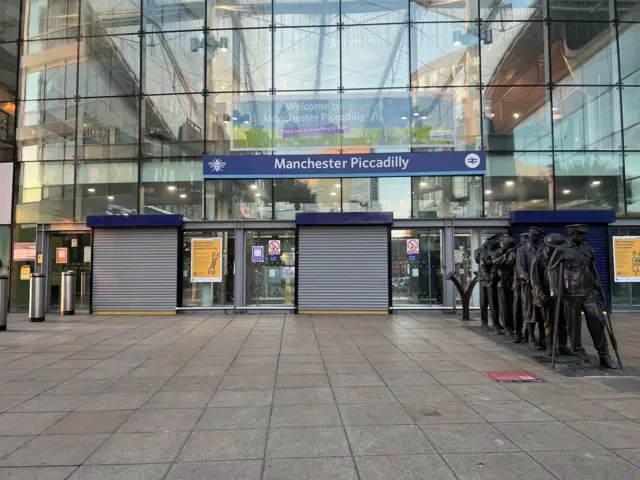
[24, 252]
[206, 260]
[626, 259]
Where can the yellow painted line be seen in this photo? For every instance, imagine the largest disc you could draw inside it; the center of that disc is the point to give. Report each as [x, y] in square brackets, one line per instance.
[334, 312]
[134, 313]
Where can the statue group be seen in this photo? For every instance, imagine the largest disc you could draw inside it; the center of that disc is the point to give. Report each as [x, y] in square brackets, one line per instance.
[540, 281]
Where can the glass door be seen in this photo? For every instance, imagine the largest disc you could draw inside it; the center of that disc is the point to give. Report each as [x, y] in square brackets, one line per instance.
[70, 252]
[417, 278]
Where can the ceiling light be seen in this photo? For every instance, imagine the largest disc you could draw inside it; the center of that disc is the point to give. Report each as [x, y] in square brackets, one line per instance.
[416, 114]
[171, 188]
[595, 183]
[91, 190]
[423, 184]
[183, 195]
[253, 186]
[555, 109]
[509, 183]
[258, 194]
[333, 194]
[488, 192]
[423, 118]
[337, 185]
[246, 121]
[566, 191]
[403, 118]
[110, 197]
[516, 115]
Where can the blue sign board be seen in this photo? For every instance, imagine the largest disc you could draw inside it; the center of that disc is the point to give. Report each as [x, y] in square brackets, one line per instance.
[405, 164]
[257, 254]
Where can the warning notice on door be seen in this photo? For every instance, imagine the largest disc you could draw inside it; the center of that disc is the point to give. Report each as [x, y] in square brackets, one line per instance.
[626, 259]
[413, 249]
[61, 255]
[274, 247]
[206, 260]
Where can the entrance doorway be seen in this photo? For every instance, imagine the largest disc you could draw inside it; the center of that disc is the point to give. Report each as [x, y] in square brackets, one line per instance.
[70, 252]
[419, 280]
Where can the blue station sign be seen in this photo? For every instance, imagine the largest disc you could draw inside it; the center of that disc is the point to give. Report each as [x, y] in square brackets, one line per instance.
[345, 165]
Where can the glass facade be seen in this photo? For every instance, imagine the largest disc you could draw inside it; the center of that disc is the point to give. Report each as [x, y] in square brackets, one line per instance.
[109, 106]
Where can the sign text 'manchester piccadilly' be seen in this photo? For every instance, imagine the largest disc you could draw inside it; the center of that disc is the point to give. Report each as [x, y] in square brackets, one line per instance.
[356, 165]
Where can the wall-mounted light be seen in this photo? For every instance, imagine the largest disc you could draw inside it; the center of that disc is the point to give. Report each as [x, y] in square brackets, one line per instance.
[509, 183]
[91, 190]
[566, 191]
[595, 183]
[516, 115]
[488, 192]
[110, 197]
[171, 188]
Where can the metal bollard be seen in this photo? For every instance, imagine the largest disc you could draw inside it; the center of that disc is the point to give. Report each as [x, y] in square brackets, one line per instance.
[4, 301]
[37, 297]
[68, 293]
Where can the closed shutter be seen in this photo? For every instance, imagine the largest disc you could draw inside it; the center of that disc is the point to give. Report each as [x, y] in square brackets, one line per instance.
[343, 269]
[135, 270]
[597, 238]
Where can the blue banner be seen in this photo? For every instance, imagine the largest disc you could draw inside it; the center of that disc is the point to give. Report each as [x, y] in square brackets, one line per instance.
[344, 165]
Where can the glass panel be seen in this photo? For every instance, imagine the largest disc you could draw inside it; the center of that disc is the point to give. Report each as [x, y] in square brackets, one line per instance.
[460, 11]
[377, 195]
[438, 197]
[47, 131]
[171, 65]
[9, 69]
[631, 100]
[5, 248]
[419, 281]
[309, 12]
[306, 195]
[9, 20]
[363, 48]
[7, 129]
[624, 296]
[583, 11]
[19, 289]
[170, 15]
[76, 262]
[45, 193]
[357, 12]
[173, 125]
[111, 17]
[632, 179]
[444, 54]
[583, 53]
[51, 19]
[239, 199]
[628, 10]
[106, 188]
[589, 181]
[446, 118]
[109, 128]
[246, 14]
[518, 181]
[508, 10]
[586, 118]
[516, 118]
[173, 186]
[273, 281]
[209, 294]
[110, 66]
[306, 58]
[629, 38]
[225, 122]
[242, 61]
[516, 54]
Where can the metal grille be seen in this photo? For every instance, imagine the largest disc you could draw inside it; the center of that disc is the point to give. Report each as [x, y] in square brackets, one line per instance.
[135, 270]
[343, 269]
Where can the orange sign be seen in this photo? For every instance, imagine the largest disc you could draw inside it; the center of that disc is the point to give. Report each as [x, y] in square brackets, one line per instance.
[61, 255]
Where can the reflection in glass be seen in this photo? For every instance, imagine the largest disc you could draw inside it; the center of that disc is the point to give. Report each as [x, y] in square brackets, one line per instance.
[632, 183]
[419, 281]
[239, 199]
[10, 20]
[47, 131]
[167, 15]
[5, 249]
[307, 12]
[109, 188]
[630, 101]
[271, 282]
[584, 11]
[458, 11]
[172, 186]
[518, 181]
[307, 58]
[110, 66]
[244, 15]
[508, 10]
[444, 54]
[516, 118]
[214, 293]
[47, 19]
[589, 181]
[625, 296]
[45, 193]
[357, 12]
[586, 118]
[306, 195]
[629, 39]
[377, 195]
[445, 197]
[363, 48]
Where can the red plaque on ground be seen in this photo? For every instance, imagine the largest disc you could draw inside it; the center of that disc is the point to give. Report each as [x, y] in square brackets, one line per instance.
[513, 377]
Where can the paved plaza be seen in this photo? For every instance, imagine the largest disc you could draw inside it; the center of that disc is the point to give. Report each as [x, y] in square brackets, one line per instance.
[249, 397]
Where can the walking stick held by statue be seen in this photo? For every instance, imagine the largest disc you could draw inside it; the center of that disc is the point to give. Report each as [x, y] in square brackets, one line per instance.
[608, 324]
[556, 316]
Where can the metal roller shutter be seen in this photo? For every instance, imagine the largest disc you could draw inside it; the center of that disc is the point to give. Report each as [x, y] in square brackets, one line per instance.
[135, 270]
[343, 269]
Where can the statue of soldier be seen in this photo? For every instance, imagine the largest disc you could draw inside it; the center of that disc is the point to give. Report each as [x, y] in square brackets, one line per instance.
[542, 298]
[581, 288]
[493, 254]
[505, 265]
[532, 314]
[518, 318]
[484, 279]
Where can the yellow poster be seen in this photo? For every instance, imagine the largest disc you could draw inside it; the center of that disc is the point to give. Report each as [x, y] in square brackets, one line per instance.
[25, 272]
[626, 259]
[206, 260]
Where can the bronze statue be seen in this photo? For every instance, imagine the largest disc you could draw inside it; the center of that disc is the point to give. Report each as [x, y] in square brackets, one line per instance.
[493, 254]
[518, 319]
[505, 266]
[573, 270]
[532, 313]
[542, 294]
[484, 279]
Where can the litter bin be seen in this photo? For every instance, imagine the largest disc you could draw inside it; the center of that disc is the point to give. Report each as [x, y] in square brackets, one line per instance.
[68, 293]
[4, 301]
[37, 297]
